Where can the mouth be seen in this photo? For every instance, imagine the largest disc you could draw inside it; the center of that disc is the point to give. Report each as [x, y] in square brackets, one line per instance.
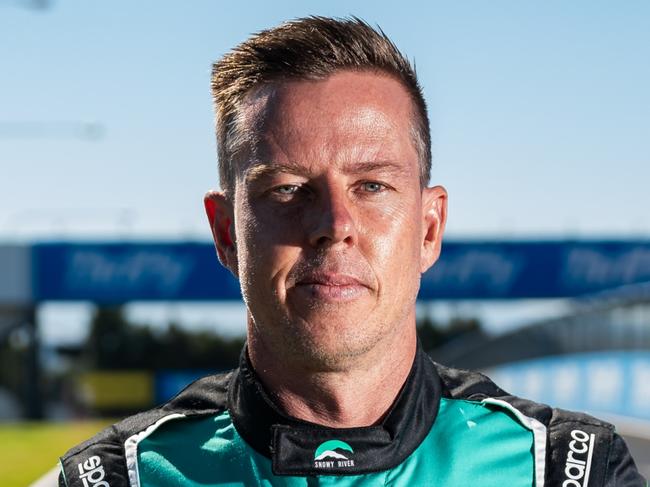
[331, 287]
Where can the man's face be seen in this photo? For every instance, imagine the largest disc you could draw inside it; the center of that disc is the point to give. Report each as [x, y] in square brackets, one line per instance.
[332, 228]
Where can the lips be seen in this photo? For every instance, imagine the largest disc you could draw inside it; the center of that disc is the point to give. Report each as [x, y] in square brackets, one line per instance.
[331, 287]
[330, 279]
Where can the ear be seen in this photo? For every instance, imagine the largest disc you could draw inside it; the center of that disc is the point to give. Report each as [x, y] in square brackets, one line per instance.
[221, 217]
[434, 214]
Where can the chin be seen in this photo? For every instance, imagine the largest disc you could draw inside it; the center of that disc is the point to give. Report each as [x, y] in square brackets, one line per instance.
[332, 344]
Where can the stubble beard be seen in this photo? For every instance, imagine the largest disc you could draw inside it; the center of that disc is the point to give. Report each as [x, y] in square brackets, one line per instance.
[327, 344]
[327, 337]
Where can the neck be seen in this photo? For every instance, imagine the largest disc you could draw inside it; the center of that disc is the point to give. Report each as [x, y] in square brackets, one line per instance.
[358, 394]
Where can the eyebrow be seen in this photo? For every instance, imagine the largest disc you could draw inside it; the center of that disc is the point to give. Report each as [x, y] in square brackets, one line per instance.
[371, 166]
[260, 170]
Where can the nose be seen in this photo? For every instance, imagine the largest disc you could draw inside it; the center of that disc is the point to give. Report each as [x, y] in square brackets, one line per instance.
[332, 221]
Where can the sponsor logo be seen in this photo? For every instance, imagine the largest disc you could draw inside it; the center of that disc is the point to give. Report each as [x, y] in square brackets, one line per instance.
[136, 271]
[578, 459]
[327, 456]
[91, 473]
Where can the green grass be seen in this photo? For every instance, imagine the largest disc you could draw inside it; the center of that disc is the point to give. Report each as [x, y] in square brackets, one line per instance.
[29, 449]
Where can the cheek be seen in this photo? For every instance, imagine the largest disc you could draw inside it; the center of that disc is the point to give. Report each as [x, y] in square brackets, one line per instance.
[395, 232]
[392, 245]
[264, 246]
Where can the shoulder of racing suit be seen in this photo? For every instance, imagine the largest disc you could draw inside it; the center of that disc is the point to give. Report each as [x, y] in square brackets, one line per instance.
[105, 459]
[579, 450]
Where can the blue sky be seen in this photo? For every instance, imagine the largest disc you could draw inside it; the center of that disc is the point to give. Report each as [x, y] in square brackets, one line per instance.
[540, 112]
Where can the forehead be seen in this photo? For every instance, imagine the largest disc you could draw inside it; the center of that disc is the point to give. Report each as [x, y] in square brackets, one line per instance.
[349, 114]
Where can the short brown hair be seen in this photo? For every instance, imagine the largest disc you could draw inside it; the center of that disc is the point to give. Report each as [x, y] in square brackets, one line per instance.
[308, 48]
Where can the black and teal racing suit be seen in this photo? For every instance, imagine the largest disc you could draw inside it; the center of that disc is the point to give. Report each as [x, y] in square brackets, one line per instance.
[447, 427]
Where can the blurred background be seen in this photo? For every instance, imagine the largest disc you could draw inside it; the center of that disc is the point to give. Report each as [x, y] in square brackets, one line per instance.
[111, 298]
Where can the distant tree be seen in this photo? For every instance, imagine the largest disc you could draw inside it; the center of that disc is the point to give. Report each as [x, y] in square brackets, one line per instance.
[12, 367]
[116, 343]
[433, 335]
[179, 348]
[429, 333]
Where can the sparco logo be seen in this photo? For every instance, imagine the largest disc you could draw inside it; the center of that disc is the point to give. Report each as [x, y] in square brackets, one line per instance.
[578, 460]
[92, 473]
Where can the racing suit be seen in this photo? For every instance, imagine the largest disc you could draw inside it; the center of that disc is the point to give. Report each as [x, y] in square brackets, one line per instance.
[447, 427]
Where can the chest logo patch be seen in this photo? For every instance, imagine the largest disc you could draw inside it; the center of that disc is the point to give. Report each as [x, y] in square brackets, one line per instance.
[333, 454]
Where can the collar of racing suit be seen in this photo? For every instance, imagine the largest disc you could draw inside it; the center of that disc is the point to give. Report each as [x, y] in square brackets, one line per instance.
[298, 447]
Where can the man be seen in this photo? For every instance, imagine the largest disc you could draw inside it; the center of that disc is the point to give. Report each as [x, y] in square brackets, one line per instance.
[326, 218]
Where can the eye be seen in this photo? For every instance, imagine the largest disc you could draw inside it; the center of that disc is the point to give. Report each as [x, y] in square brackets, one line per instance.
[286, 193]
[287, 189]
[372, 187]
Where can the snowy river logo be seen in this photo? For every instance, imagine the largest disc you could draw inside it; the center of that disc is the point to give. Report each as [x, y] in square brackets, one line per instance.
[327, 456]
